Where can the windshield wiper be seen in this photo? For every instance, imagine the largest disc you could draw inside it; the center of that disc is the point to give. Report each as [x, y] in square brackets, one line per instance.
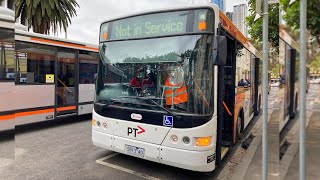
[103, 106]
[113, 101]
[155, 103]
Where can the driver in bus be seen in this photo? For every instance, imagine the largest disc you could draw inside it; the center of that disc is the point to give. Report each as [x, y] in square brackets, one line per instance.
[178, 90]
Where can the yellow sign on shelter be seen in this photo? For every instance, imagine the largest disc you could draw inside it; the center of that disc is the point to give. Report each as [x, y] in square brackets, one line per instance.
[49, 78]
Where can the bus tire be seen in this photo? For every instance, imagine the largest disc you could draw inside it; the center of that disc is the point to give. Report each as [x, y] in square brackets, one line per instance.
[258, 109]
[239, 127]
[296, 104]
[295, 107]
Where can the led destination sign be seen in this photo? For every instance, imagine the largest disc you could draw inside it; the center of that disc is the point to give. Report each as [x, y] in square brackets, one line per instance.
[158, 24]
[150, 25]
[148, 28]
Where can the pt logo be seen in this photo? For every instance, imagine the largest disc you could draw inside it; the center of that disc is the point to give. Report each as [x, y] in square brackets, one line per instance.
[134, 131]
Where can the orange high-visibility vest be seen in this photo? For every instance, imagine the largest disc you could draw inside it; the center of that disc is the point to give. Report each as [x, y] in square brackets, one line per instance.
[179, 95]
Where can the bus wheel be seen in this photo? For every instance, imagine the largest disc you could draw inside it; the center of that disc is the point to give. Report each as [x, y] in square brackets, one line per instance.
[260, 103]
[258, 106]
[239, 124]
[296, 104]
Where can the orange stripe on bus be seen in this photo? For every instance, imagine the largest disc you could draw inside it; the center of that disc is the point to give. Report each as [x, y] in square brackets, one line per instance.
[6, 117]
[28, 113]
[63, 43]
[66, 108]
[233, 30]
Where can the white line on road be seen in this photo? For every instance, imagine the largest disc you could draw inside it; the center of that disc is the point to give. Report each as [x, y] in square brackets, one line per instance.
[4, 162]
[102, 162]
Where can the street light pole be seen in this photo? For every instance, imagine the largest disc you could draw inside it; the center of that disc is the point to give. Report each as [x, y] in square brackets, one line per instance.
[265, 83]
[302, 105]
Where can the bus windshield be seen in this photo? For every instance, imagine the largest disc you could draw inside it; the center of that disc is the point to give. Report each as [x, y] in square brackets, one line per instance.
[174, 73]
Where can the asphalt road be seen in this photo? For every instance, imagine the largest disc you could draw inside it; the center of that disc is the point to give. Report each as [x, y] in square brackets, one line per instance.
[63, 150]
[59, 150]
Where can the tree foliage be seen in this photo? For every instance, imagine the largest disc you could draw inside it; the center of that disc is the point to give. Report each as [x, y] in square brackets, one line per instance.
[45, 15]
[292, 16]
[315, 65]
[255, 27]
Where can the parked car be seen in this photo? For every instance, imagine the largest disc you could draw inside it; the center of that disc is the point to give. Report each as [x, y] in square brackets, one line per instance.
[275, 82]
[315, 81]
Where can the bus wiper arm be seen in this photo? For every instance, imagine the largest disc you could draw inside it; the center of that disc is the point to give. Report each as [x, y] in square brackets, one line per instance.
[104, 106]
[155, 103]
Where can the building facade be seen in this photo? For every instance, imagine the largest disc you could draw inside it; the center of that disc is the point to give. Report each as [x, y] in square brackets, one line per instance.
[221, 4]
[238, 18]
[229, 15]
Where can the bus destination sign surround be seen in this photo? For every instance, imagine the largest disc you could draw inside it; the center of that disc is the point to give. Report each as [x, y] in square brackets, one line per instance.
[158, 24]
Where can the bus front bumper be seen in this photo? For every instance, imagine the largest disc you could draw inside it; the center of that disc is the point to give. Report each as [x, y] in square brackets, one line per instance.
[202, 161]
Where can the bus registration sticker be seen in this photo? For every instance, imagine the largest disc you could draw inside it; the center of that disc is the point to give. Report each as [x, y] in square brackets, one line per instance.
[135, 151]
[168, 121]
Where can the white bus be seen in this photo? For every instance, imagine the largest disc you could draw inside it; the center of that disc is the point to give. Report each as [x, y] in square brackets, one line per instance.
[46, 78]
[6, 68]
[289, 77]
[187, 86]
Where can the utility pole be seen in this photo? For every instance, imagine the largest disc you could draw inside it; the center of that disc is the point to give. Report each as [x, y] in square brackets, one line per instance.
[303, 83]
[265, 61]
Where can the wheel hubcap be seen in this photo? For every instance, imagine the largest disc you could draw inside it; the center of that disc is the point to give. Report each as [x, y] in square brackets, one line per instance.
[239, 124]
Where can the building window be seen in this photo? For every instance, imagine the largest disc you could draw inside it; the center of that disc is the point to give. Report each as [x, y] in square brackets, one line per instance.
[35, 63]
[88, 64]
[6, 54]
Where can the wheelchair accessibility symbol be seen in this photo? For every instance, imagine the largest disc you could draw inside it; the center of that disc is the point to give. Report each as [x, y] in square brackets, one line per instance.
[168, 121]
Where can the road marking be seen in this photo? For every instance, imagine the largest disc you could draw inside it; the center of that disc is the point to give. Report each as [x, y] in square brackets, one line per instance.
[4, 162]
[19, 151]
[102, 162]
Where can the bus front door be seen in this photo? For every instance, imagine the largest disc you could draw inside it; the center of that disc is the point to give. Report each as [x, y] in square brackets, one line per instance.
[66, 84]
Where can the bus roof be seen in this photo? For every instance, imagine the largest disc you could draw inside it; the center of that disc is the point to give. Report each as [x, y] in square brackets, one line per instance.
[236, 33]
[26, 36]
[284, 35]
[6, 18]
[167, 9]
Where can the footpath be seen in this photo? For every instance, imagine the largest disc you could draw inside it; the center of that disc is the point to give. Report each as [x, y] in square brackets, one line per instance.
[250, 166]
[288, 167]
[312, 141]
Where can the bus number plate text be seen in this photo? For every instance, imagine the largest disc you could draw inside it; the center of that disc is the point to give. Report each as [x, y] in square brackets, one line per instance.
[135, 151]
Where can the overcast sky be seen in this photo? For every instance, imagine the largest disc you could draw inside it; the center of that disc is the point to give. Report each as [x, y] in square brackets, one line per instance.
[90, 14]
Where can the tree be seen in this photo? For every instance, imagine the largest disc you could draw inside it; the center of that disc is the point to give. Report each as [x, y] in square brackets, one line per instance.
[292, 16]
[273, 32]
[256, 26]
[45, 15]
[315, 65]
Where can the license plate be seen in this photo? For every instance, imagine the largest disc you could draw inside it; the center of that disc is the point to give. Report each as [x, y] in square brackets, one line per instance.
[135, 151]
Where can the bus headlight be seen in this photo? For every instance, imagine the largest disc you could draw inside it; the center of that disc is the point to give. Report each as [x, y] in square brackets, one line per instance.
[174, 138]
[105, 125]
[93, 122]
[203, 141]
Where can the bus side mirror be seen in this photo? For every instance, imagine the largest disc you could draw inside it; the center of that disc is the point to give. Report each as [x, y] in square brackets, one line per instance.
[219, 50]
